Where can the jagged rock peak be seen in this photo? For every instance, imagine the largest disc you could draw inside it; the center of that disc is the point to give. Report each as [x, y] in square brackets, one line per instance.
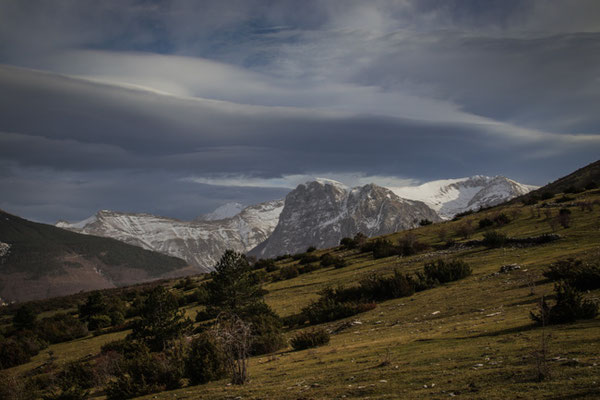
[321, 213]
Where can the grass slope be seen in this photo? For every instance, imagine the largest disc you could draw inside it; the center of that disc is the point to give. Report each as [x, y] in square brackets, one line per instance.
[470, 339]
[36, 249]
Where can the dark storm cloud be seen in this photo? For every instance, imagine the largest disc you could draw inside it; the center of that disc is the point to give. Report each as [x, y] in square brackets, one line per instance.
[175, 107]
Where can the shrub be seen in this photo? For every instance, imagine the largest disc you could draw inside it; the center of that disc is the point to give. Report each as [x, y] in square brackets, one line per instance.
[16, 388]
[501, 219]
[265, 263]
[351, 243]
[377, 288]
[341, 263]
[328, 259]
[204, 315]
[77, 374]
[381, 248]
[494, 239]
[348, 243]
[409, 245]
[446, 271]
[124, 347]
[308, 339]
[200, 296]
[311, 249]
[289, 272]
[143, 374]
[98, 322]
[582, 276]
[564, 217]
[485, 223]
[570, 306]
[308, 258]
[24, 317]
[204, 361]
[425, 222]
[547, 195]
[328, 309]
[12, 353]
[61, 327]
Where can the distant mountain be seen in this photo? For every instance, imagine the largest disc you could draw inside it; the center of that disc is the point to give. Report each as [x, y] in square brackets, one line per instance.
[39, 261]
[322, 212]
[225, 211]
[199, 242]
[452, 196]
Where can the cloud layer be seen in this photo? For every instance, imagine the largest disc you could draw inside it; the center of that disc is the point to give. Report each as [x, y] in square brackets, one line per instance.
[173, 108]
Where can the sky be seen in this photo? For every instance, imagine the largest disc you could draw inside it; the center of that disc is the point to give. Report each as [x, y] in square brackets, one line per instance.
[177, 107]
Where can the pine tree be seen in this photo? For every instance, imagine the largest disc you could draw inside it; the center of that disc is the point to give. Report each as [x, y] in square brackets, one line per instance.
[161, 320]
[233, 287]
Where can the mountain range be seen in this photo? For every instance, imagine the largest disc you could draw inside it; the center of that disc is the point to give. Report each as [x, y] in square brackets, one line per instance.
[200, 242]
[317, 213]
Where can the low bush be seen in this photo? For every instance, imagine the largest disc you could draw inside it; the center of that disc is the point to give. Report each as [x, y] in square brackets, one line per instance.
[61, 327]
[205, 360]
[570, 306]
[446, 271]
[485, 223]
[266, 263]
[98, 322]
[77, 374]
[13, 353]
[425, 222]
[329, 259]
[308, 339]
[494, 239]
[308, 258]
[289, 272]
[143, 374]
[328, 309]
[124, 347]
[501, 219]
[582, 276]
[352, 243]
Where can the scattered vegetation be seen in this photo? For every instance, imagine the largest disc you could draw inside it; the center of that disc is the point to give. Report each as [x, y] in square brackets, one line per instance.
[569, 307]
[311, 338]
[580, 275]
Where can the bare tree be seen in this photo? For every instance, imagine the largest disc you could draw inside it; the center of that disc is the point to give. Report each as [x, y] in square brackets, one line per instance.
[235, 337]
[541, 354]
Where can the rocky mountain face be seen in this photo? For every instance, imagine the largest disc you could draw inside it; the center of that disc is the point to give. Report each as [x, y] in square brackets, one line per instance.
[200, 242]
[452, 196]
[322, 212]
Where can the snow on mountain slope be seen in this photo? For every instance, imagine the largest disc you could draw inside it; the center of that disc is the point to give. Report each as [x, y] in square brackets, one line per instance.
[225, 211]
[201, 243]
[449, 197]
[322, 212]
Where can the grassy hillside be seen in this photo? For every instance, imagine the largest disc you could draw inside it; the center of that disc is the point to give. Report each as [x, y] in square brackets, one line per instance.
[38, 251]
[472, 338]
[584, 178]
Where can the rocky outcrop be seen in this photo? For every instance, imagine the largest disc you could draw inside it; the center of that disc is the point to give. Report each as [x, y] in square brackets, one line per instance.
[322, 212]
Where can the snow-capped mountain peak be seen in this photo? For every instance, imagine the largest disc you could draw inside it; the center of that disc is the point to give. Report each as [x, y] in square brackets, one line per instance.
[201, 243]
[225, 211]
[449, 197]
